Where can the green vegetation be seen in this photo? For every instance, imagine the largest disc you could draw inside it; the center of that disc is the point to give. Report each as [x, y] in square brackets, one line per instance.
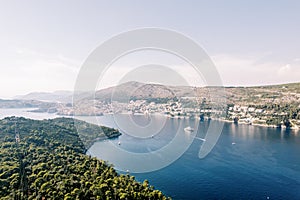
[274, 105]
[47, 161]
[157, 100]
[24, 104]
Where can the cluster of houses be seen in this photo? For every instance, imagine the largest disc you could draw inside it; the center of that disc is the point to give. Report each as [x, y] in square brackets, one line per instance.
[176, 109]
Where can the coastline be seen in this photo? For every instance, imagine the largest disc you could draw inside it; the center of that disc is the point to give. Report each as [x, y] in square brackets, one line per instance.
[259, 125]
[296, 128]
[55, 115]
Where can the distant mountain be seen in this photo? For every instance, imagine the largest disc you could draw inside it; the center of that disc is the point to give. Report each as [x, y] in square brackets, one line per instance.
[122, 92]
[57, 96]
[15, 103]
[137, 90]
[273, 100]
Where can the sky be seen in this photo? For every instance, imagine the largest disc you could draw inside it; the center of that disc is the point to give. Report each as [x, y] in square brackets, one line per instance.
[43, 44]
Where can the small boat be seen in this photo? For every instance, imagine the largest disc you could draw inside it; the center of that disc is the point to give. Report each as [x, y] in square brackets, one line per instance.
[202, 139]
[233, 143]
[188, 129]
[152, 136]
[119, 143]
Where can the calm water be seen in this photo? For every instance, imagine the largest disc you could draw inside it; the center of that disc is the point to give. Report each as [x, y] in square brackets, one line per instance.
[24, 112]
[247, 162]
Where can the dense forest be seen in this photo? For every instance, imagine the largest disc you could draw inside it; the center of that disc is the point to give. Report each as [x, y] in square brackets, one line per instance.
[46, 160]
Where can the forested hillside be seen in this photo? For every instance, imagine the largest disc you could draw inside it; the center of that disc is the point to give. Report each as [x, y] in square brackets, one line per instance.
[46, 160]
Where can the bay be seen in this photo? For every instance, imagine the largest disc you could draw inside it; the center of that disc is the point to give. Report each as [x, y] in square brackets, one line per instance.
[246, 163]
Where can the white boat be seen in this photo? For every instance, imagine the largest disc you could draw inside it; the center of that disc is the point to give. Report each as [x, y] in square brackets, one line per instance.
[188, 129]
[202, 139]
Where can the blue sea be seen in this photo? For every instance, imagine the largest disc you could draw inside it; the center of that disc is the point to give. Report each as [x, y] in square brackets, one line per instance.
[247, 162]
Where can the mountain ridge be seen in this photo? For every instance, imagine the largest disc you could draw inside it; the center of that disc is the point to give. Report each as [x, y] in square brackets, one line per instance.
[65, 96]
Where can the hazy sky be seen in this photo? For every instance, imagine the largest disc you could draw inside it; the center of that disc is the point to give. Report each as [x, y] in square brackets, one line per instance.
[44, 43]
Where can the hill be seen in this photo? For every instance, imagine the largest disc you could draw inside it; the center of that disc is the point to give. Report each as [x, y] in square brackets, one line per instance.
[46, 160]
[134, 90]
[57, 96]
[273, 105]
[15, 103]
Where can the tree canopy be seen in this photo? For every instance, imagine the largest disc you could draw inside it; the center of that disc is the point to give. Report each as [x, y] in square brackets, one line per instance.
[46, 160]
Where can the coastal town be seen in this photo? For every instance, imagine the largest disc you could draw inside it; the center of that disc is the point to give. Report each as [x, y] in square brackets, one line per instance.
[274, 106]
[280, 109]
